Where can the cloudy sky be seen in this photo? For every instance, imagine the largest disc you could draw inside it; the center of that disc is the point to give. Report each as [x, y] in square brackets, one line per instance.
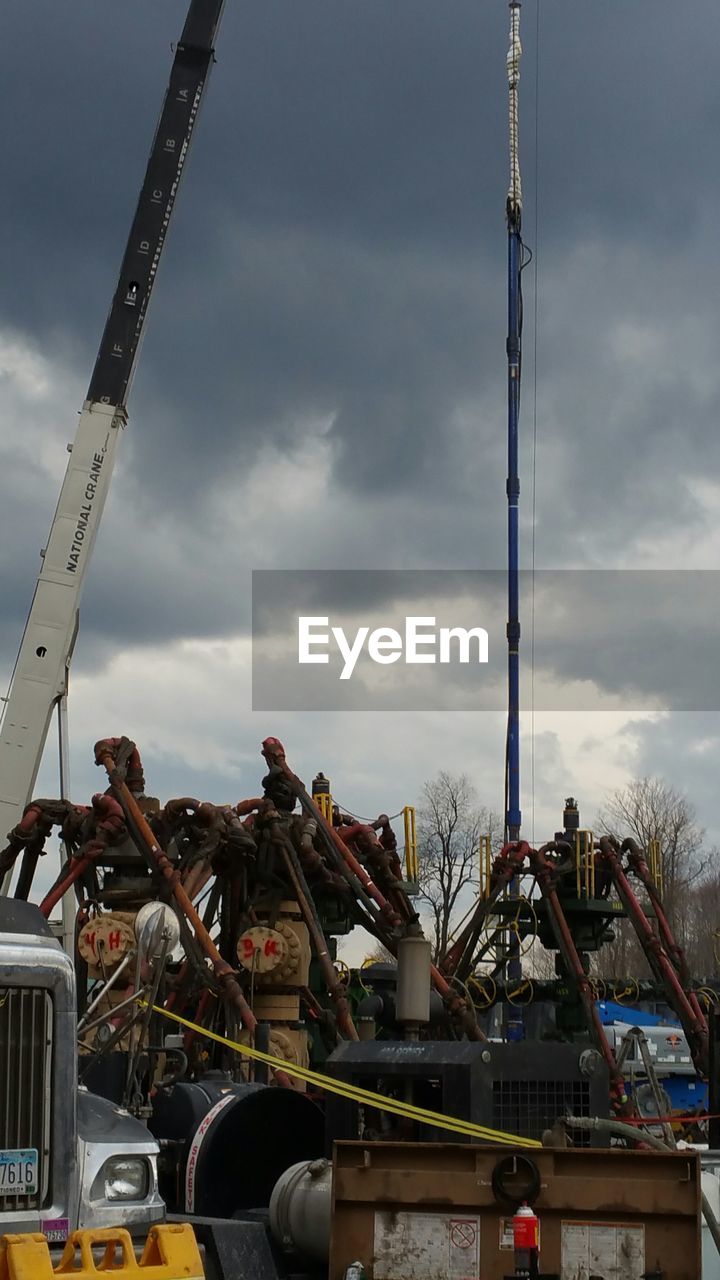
[322, 382]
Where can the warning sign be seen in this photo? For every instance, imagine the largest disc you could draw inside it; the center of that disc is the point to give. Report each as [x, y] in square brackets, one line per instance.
[462, 1233]
[464, 1237]
[507, 1235]
[612, 1249]
[426, 1246]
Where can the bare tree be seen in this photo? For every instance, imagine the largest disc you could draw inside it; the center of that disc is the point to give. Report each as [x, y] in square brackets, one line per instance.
[651, 809]
[379, 954]
[701, 927]
[450, 824]
[539, 963]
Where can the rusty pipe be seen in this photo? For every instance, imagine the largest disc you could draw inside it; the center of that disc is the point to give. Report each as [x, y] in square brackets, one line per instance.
[198, 1016]
[31, 815]
[254, 805]
[274, 753]
[196, 878]
[335, 987]
[183, 806]
[350, 830]
[546, 873]
[160, 860]
[109, 814]
[660, 963]
[361, 839]
[110, 826]
[70, 873]
[38, 819]
[638, 863]
[126, 757]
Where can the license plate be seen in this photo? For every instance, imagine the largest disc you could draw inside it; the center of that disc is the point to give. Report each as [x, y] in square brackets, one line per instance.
[18, 1172]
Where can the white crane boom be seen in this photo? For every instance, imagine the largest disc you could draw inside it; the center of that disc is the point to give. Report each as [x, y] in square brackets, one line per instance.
[40, 676]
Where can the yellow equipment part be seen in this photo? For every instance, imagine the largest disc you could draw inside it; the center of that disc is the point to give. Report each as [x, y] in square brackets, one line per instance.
[485, 860]
[412, 867]
[584, 848]
[170, 1253]
[657, 870]
[324, 802]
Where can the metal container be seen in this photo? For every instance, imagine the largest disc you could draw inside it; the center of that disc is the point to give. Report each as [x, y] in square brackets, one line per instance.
[412, 1001]
[416, 1211]
[518, 1088]
[236, 1138]
[301, 1209]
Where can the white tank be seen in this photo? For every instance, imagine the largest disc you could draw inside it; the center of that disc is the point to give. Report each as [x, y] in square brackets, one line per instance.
[412, 999]
[301, 1209]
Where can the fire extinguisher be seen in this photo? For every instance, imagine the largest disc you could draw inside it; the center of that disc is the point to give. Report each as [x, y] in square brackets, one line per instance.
[526, 1241]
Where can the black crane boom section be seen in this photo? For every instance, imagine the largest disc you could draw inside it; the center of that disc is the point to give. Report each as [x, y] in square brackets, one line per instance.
[117, 356]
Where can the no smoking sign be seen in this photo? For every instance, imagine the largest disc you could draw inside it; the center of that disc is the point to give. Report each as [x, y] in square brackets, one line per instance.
[464, 1248]
[462, 1233]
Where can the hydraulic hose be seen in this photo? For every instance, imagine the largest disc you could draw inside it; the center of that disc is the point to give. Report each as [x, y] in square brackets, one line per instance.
[274, 753]
[336, 988]
[627, 1131]
[158, 859]
[695, 1028]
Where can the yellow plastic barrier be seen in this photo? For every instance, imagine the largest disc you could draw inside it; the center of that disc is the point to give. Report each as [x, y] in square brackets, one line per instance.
[24, 1257]
[170, 1253]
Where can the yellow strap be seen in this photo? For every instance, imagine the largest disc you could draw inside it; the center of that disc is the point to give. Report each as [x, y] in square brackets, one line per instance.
[364, 1096]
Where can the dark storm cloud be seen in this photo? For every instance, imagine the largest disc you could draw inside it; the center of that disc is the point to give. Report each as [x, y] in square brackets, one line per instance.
[683, 749]
[338, 253]
[383, 341]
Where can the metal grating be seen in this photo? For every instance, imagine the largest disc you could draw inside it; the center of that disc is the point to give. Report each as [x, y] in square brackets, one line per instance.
[25, 1082]
[529, 1107]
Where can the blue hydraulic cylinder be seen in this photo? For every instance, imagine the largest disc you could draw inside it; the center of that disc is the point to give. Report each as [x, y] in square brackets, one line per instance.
[513, 815]
[514, 1027]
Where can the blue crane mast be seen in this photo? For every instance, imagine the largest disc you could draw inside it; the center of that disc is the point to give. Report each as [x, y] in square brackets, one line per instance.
[513, 815]
[515, 265]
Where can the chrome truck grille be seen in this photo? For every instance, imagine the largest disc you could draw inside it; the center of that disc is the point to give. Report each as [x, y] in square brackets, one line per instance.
[25, 1076]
